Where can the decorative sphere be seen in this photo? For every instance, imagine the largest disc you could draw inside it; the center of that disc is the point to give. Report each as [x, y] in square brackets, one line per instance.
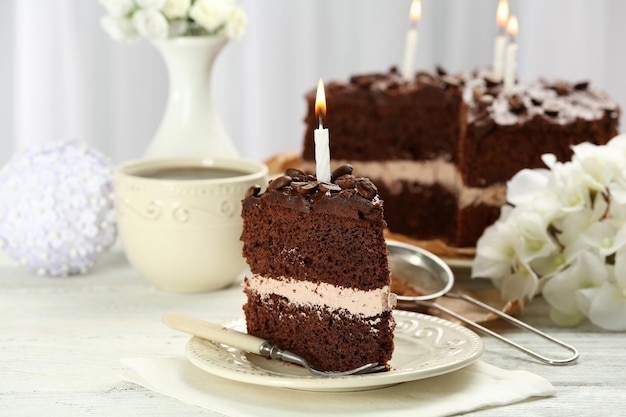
[56, 208]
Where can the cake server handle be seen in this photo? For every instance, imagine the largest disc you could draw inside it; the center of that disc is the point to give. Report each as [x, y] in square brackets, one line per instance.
[214, 332]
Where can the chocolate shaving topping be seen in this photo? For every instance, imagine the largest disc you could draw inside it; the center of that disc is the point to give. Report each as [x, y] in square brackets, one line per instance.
[366, 188]
[341, 170]
[279, 182]
[536, 101]
[441, 71]
[253, 191]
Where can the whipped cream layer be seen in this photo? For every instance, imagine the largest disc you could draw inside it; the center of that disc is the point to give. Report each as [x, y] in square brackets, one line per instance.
[425, 173]
[310, 294]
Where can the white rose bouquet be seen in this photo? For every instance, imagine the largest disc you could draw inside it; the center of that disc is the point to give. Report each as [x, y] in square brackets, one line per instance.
[128, 20]
[563, 235]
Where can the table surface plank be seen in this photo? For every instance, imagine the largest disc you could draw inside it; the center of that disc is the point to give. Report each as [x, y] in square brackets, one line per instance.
[62, 339]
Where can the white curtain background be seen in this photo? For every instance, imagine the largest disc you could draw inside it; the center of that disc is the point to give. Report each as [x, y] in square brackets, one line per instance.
[62, 77]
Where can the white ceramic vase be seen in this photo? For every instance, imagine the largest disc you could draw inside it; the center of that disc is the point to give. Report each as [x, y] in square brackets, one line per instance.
[190, 126]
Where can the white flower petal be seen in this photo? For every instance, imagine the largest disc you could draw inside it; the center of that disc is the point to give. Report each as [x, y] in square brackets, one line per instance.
[587, 271]
[565, 320]
[522, 285]
[608, 308]
[151, 23]
[175, 9]
[602, 236]
[525, 184]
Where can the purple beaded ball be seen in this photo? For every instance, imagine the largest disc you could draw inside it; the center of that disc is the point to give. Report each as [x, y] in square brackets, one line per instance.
[56, 208]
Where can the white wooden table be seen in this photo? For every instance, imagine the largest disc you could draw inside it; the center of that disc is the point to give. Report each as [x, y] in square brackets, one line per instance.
[61, 341]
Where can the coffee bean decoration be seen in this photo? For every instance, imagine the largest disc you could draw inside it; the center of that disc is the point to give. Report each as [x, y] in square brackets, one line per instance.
[366, 188]
[516, 104]
[451, 81]
[477, 93]
[561, 88]
[253, 191]
[345, 169]
[486, 100]
[305, 188]
[279, 183]
[346, 182]
[581, 85]
[551, 110]
[294, 173]
[326, 186]
[492, 81]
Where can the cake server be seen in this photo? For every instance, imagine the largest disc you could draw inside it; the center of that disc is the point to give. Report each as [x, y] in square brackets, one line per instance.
[423, 271]
[248, 343]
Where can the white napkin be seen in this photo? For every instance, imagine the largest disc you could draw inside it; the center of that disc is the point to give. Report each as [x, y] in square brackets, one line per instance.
[476, 386]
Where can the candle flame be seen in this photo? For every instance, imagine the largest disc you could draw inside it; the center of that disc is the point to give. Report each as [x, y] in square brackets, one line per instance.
[502, 15]
[320, 100]
[512, 28]
[416, 10]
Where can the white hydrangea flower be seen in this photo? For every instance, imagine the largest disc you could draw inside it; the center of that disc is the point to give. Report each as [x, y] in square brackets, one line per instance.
[211, 14]
[151, 23]
[564, 236]
[176, 9]
[236, 25]
[160, 19]
[119, 29]
[150, 4]
[118, 8]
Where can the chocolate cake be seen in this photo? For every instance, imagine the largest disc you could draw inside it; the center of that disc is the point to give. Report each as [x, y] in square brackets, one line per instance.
[441, 147]
[320, 281]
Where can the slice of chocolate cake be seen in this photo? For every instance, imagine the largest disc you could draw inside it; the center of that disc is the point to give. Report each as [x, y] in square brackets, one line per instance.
[320, 282]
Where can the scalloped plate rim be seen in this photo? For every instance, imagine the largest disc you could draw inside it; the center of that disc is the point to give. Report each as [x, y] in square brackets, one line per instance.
[264, 370]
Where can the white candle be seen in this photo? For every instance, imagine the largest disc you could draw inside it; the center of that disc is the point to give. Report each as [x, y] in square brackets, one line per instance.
[502, 16]
[322, 142]
[511, 55]
[410, 44]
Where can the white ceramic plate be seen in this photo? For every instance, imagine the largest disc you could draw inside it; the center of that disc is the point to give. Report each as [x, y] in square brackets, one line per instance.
[425, 346]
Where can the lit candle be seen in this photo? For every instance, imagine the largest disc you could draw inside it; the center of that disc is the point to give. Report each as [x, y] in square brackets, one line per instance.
[511, 55]
[502, 16]
[322, 147]
[410, 45]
